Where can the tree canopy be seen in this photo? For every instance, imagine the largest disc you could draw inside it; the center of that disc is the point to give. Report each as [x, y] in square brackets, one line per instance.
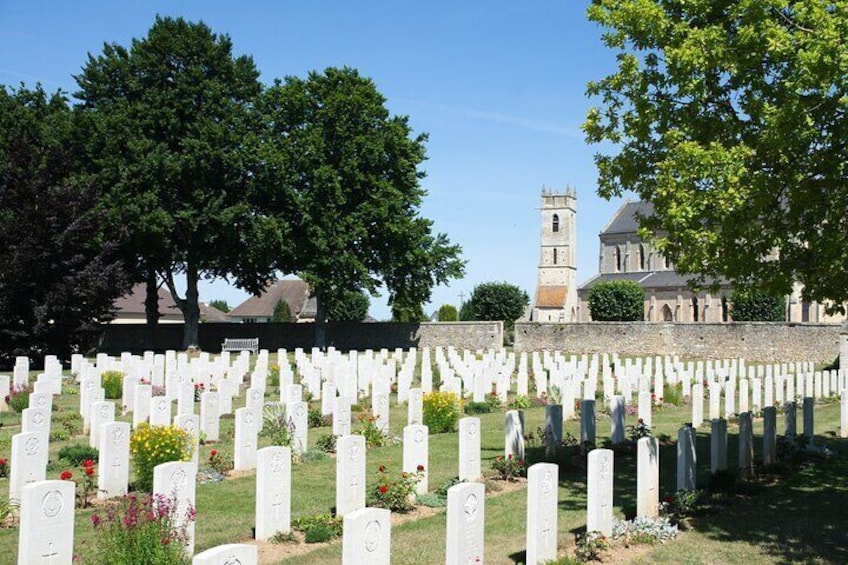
[60, 272]
[347, 306]
[495, 301]
[617, 301]
[751, 305]
[350, 171]
[730, 117]
[177, 142]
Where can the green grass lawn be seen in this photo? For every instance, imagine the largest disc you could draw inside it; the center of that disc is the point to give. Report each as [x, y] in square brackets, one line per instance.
[800, 518]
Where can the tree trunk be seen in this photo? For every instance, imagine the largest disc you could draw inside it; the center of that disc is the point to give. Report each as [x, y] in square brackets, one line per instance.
[320, 321]
[151, 310]
[191, 310]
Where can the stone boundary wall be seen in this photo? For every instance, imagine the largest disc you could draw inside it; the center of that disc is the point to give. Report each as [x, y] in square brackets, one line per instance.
[341, 335]
[754, 341]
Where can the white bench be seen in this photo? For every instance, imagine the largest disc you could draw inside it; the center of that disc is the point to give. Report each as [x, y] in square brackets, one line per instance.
[241, 344]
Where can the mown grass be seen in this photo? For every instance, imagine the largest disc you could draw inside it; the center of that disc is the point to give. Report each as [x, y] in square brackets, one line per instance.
[797, 519]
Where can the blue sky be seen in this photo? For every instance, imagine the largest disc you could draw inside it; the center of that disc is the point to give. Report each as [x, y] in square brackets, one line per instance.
[498, 86]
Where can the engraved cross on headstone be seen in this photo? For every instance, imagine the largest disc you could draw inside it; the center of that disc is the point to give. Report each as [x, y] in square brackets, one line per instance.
[276, 505]
[48, 556]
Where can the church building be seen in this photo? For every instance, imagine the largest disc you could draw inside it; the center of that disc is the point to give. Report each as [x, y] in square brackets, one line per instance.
[624, 256]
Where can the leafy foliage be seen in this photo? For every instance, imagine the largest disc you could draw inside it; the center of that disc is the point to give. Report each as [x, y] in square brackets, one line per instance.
[113, 384]
[282, 312]
[77, 453]
[448, 313]
[154, 445]
[146, 529]
[347, 306]
[496, 301]
[395, 493]
[755, 306]
[220, 304]
[617, 301]
[60, 271]
[351, 172]
[441, 411]
[729, 118]
[175, 141]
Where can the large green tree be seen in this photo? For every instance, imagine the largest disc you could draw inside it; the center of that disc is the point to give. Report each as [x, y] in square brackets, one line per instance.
[350, 179]
[178, 144]
[617, 301]
[731, 118]
[496, 301]
[59, 271]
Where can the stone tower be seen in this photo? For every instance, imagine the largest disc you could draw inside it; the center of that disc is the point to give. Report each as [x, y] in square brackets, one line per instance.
[556, 287]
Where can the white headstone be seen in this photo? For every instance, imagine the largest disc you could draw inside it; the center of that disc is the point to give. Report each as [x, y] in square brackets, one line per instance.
[617, 411]
[366, 537]
[102, 412]
[245, 443]
[298, 417]
[469, 449]
[542, 499]
[843, 420]
[746, 444]
[191, 424]
[415, 409]
[273, 491]
[514, 435]
[176, 481]
[341, 416]
[686, 458]
[465, 523]
[718, 445]
[210, 415]
[769, 435]
[46, 531]
[141, 402]
[35, 420]
[350, 474]
[599, 488]
[229, 554]
[114, 460]
[416, 442]
[160, 411]
[5, 389]
[28, 461]
[587, 422]
[647, 476]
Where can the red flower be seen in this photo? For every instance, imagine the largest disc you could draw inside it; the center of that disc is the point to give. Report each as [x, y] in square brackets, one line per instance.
[509, 456]
[88, 463]
[382, 468]
[2, 462]
[89, 471]
[384, 489]
[166, 541]
[95, 520]
[521, 462]
[421, 468]
[668, 499]
[213, 453]
[66, 475]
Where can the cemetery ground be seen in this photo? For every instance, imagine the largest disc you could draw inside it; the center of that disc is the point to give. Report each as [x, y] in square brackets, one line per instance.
[797, 516]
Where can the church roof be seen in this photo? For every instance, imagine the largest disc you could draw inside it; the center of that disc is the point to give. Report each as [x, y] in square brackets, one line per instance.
[626, 219]
[647, 279]
[551, 296]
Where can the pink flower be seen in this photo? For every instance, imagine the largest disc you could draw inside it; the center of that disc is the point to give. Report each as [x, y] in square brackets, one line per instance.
[95, 520]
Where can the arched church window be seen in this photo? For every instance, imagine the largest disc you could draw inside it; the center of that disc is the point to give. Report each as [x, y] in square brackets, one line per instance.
[556, 223]
[641, 252]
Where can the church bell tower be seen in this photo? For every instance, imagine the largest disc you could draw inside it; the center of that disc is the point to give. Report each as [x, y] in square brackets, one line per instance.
[556, 286]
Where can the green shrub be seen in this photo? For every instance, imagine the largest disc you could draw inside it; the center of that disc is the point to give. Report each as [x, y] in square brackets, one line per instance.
[141, 530]
[590, 546]
[448, 313]
[276, 425]
[478, 408]
[59, 434]
[326, 443]
[496, 301]
[18, 399]
[432, 500]
[395, 493]
[274, 375]
[154, 445]
[319, 528]
[71, 421]
[311, 455]
[673, 394]
[113, 384]
[283, 537]
[76, 453]
[318, 420]
[617, 301]
[520, 402]
[756, 306]
[441, 411]
[374, 436]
